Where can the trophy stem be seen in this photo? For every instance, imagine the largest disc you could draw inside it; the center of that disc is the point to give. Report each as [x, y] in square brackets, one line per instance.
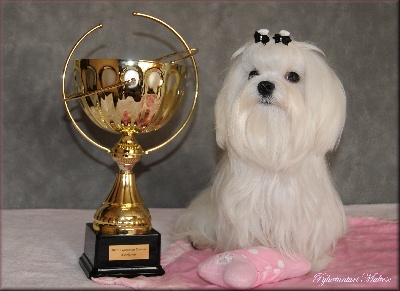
[123, 211]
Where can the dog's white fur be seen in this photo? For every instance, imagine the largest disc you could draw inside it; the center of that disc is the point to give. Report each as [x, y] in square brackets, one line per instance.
[272, 187]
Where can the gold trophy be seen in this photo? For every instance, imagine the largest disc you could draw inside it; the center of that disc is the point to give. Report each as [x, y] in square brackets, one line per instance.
[127, 97]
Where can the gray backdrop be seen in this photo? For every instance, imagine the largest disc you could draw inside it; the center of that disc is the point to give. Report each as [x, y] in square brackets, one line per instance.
[47, 164]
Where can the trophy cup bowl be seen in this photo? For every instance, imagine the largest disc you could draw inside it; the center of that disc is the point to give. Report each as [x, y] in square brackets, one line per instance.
[127, 97]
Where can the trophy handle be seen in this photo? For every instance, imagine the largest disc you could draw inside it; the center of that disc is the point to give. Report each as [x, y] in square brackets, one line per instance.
[65, 98]
[191, 52]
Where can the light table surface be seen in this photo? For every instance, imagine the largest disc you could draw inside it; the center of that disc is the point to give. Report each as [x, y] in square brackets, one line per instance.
[41, 247]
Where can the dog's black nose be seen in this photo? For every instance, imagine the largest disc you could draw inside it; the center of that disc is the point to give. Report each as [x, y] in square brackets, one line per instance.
[265, 88]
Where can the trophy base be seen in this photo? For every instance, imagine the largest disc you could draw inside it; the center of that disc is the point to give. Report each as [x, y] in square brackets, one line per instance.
[121, 255]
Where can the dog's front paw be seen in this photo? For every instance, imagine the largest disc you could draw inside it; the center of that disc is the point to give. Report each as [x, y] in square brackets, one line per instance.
[198, 244]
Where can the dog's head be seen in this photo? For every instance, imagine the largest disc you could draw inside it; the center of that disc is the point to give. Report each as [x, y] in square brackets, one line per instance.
[280, 101]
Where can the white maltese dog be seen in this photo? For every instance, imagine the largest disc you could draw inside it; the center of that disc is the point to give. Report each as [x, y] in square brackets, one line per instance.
[280, 110]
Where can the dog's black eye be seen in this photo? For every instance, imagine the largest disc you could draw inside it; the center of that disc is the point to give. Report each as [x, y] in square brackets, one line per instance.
[253, 74]
[292, 77]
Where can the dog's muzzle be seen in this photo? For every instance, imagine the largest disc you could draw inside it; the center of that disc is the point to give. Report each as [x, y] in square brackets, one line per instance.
[265, 89]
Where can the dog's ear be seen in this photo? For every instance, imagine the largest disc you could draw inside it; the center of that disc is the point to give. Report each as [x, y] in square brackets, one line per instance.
[326, 99]
[226, 97]
[221, 106]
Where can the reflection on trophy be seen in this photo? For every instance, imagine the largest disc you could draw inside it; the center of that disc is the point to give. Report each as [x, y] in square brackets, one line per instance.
[127, 97]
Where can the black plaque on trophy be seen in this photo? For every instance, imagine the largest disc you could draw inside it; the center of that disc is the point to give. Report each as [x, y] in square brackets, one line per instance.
[121, 255]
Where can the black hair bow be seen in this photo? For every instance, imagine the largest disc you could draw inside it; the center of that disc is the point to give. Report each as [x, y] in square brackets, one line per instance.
[285, 39]
[258, 37]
